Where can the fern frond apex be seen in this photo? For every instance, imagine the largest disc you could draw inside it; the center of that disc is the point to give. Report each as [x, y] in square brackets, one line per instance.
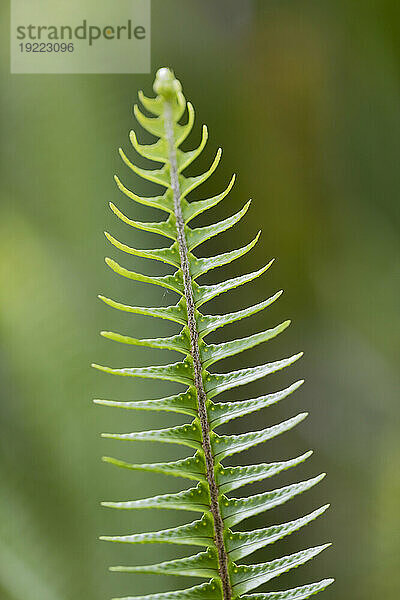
[166, 84]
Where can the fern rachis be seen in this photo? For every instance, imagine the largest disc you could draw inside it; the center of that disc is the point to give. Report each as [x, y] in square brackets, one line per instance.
[219, 512]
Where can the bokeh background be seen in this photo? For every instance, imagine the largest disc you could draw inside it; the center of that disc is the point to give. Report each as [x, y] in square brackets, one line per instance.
[304, 98]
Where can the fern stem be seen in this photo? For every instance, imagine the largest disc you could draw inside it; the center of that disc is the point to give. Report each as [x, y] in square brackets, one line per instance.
[197, 364]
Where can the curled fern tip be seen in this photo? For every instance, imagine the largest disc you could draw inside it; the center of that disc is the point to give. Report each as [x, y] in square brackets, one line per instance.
[166, 84]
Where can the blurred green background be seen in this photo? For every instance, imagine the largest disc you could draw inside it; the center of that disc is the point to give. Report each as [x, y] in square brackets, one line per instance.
[304, 98]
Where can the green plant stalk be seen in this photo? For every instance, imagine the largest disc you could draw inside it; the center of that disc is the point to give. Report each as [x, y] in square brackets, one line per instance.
[197, 364]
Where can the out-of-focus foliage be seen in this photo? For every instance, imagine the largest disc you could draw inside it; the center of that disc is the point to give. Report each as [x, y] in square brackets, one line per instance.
[319, 84]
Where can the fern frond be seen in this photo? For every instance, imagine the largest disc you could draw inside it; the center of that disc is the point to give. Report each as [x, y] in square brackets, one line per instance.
[220, 512]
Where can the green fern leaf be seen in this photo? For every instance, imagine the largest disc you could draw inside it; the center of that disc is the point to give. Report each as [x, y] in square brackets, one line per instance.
[219, 511]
